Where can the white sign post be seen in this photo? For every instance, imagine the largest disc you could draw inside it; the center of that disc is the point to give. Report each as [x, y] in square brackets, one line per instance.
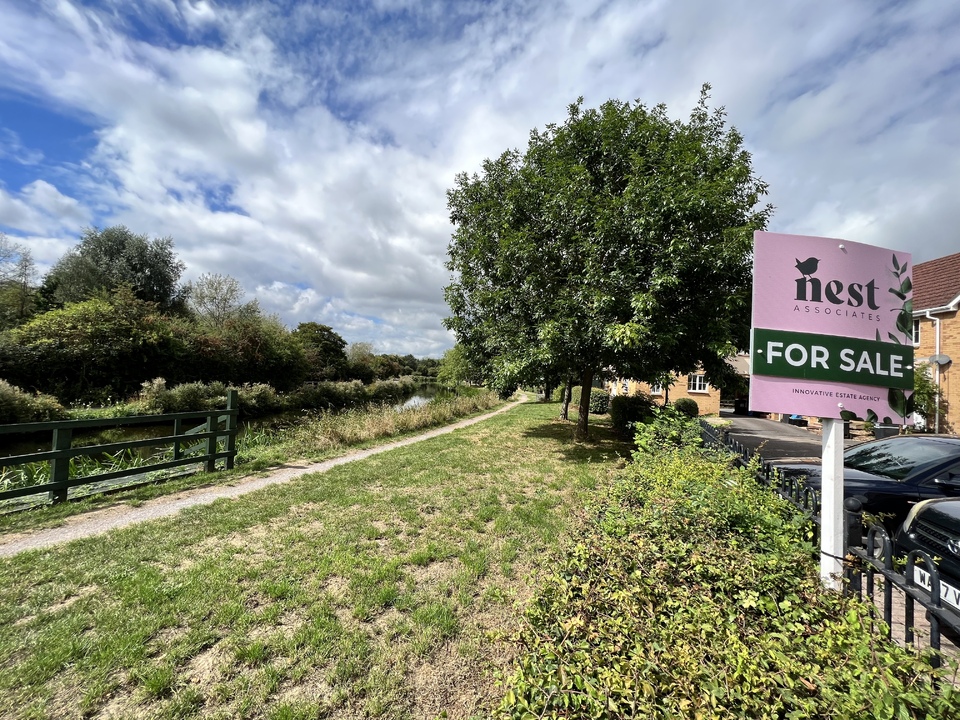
[832, 528]
[831, 338]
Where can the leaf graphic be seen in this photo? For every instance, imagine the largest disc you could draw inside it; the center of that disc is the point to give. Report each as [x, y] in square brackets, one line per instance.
[879, 339]
[894, 338]
[908, 306]
[871, 416]
[887, 420]
[897, 401]
[848, 415]
[911, 406]
[896, 264]
[905, 322]
[898, 293]
[906, 286]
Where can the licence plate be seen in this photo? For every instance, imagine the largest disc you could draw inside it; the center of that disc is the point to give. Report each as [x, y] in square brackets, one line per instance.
[949, 594]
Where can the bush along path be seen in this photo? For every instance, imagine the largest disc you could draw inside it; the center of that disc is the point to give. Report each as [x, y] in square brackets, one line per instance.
[383, 588]
[291, 444]
[119, 516]
[690, 594]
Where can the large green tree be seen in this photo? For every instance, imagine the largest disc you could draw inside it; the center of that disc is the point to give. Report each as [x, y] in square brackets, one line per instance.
[324, 350]
[618, 242]
[91, 350]
[17, 277]
[107, 259]
[215, 299]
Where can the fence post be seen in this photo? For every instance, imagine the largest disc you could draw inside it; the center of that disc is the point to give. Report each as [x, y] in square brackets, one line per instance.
[60, 467]
[853, 515]
[178, 431]
[212, 441]
[233, 404]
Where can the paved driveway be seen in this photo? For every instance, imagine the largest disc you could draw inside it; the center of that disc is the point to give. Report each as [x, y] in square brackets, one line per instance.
[779, 440]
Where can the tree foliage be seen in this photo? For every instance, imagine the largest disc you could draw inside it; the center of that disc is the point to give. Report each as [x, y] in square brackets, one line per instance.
[455, 368]
[92, 349]
[215, 298]
[928, 400]
[107, 259]
[324, 350]
[620, 241]
[17, 276]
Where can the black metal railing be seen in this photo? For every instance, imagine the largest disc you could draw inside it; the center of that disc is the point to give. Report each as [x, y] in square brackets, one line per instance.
[870, 570]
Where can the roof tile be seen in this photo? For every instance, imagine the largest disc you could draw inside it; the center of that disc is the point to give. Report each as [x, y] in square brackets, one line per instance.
[936, 282]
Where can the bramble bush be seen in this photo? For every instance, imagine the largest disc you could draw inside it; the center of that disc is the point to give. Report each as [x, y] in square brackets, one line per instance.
[19, 406]
[259, 399]
[691, 593]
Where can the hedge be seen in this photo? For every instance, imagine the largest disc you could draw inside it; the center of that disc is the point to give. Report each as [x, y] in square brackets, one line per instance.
[691, 593]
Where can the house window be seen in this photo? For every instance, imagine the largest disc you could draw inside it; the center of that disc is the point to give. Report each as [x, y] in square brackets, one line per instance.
[697, 383]
[916, 331]
[656, 389]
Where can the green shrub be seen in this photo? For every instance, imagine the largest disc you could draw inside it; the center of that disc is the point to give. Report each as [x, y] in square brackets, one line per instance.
[691, 592]
[258, 399]
[599, 399]
[627, 410]
[18, 406]
[687, 406]
[666, 429]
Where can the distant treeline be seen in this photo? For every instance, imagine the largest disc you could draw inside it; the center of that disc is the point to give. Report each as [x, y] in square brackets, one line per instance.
[111, 315]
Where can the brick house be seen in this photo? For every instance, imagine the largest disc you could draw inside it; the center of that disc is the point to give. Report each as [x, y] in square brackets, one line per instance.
[936, 330]
[693, 386]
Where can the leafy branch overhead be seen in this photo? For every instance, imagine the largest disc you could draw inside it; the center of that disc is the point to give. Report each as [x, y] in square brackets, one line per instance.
[619, 241]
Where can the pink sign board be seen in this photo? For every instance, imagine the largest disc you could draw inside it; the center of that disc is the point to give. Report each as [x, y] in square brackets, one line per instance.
[832, 329]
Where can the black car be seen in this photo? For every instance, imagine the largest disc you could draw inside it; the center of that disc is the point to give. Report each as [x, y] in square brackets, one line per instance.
[934, 527]
[891, 475]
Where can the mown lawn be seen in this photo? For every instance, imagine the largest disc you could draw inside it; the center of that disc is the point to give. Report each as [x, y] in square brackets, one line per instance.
[383, 588]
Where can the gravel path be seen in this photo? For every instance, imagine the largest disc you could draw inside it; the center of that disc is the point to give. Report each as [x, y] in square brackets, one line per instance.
[101, 521]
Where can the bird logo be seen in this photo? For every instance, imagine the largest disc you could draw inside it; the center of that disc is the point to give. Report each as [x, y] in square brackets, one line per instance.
[808, 267]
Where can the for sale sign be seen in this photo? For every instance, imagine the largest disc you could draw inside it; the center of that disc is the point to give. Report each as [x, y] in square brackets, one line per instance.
[832, 329]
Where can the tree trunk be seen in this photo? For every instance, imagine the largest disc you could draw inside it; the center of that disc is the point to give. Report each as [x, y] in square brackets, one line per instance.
[567, 395]
[547, 393]
[586, 384]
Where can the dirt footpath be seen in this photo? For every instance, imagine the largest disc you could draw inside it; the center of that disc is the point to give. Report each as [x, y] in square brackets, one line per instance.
[101, 521]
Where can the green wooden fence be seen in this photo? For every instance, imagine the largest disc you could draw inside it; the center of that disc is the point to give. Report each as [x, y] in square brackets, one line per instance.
[191, 444]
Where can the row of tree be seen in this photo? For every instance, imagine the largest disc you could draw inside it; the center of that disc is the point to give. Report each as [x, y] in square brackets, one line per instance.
[112, 314]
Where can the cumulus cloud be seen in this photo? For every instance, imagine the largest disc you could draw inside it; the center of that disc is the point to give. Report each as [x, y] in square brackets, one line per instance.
[305, 148]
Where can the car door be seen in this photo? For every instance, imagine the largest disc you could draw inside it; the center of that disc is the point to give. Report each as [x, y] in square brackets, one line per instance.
[944, 482]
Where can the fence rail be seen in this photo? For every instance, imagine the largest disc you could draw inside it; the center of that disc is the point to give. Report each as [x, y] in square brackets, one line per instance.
[190, 444]
[870, 554]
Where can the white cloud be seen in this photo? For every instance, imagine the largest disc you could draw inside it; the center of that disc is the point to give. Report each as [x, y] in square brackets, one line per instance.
[306, 151]
[41, 208]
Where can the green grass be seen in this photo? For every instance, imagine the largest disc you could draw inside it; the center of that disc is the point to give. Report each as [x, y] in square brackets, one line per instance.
[381, 588]
[312, 437]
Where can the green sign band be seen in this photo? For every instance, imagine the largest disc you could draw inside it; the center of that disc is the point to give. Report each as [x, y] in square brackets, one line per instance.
[829, 357]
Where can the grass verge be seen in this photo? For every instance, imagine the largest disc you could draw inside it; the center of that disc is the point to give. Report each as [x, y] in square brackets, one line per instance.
[311, 437]
[382, 588]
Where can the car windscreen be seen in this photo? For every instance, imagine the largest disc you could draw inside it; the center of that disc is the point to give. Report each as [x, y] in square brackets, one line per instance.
[897, 458]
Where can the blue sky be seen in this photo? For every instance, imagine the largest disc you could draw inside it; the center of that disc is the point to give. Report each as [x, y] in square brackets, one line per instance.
[305, 148]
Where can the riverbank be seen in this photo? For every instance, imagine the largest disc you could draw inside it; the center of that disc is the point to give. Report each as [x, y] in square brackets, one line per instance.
[311, 437]
[385, 587]
[97, 522]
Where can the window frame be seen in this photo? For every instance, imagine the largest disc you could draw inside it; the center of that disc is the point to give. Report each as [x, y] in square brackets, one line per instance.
[697, 383]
